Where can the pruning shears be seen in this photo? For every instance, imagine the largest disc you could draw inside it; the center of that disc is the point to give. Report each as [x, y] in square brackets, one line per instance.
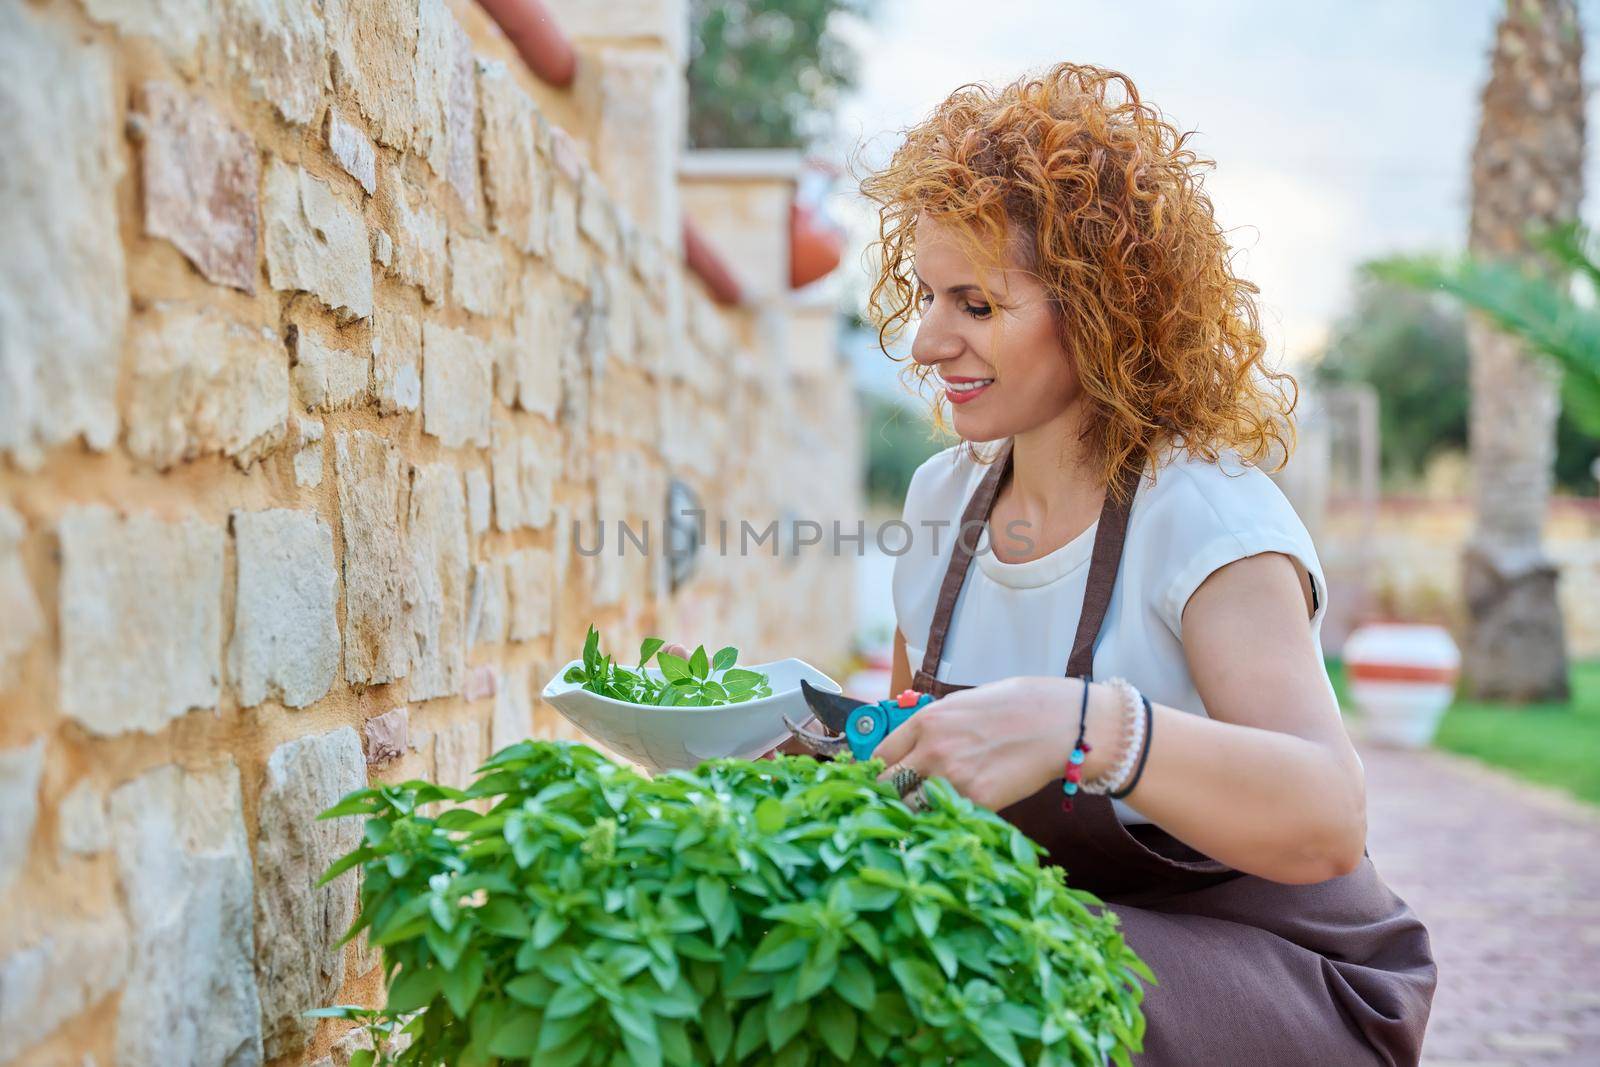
[857, 726]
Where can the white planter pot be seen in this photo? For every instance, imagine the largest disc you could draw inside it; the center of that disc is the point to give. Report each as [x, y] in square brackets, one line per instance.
[680, 738]
[1402, 677]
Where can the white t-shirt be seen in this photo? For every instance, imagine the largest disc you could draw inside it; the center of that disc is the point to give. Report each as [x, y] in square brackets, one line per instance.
[1017, 619]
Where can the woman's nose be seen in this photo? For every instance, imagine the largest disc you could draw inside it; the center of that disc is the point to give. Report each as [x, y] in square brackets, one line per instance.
[934, 343]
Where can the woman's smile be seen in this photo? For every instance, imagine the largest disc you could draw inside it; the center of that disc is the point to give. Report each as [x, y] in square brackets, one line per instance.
[964, 390]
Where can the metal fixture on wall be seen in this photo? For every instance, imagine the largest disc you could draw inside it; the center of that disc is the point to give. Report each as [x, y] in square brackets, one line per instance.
[684, 526]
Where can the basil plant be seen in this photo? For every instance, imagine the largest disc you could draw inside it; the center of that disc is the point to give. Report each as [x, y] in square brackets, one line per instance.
[569, 911]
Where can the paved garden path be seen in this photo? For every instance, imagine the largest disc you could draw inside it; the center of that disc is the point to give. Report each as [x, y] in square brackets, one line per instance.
[1507, 878]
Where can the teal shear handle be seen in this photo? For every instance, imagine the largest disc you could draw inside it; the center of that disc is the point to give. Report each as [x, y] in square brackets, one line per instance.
[857, 726]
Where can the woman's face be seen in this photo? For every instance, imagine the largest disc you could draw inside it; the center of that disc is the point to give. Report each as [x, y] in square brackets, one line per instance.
[1003, 368]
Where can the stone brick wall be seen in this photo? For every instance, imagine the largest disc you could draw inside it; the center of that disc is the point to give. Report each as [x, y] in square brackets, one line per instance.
[320, 324]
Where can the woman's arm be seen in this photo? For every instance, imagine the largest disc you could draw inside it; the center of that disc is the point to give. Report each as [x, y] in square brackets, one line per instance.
[1269, 784]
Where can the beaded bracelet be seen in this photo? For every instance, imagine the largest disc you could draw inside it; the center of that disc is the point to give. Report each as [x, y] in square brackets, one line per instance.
[1132, 735]
[1071, 779]
[1144, 753]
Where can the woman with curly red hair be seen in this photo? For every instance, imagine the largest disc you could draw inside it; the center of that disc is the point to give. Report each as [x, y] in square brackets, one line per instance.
[1131, 672]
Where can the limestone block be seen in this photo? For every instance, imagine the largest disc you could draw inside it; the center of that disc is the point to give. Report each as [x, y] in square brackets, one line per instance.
[525, 461]
[20, 769]
[629, 492]
[543, 323]
[447, 127]
[438, 594]
[388, 736]
[632, 409]
[299, 963]
[457, 391]
[184, 29]
[63, 290]
[482, 682]
[372, 45]
[202, 385]
[81, 820]
[382, 248]
[285, 632]
[478, 501]
[486, 611]
[565, 247]
[199, 176]
[24, 618]
[73, 964]
[316, 242]
[141, 619]
[419, 237]
[308, 458]
[328, 374]
[458, 751]
[622, 340]
[530, 591]
[277, 50]
[513, 712]
[516, 176]
[642, 97]
[377, 620]
[183, 864]
[353, 150]
[597, 215]
[478, 271]
[396, 358]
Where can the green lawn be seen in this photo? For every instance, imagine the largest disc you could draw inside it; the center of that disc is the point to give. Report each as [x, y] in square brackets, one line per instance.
[1554, 744]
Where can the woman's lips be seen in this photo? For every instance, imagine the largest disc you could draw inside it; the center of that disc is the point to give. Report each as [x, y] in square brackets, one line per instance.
[966, 390]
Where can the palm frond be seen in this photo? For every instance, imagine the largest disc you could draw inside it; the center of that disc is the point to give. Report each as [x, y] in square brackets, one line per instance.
[1535, 308]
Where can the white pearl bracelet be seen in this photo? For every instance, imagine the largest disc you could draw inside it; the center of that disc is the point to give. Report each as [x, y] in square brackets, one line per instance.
[1132, 739]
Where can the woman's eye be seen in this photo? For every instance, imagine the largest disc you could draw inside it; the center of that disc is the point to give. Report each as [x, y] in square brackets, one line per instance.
[978, 311]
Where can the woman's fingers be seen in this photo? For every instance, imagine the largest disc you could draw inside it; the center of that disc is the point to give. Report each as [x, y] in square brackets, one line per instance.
[675, 649]
[901, 740]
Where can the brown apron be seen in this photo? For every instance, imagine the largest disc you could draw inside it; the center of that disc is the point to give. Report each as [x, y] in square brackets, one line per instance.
[1250, 973]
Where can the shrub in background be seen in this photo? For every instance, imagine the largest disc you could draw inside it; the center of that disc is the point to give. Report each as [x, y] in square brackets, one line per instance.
[749, 912]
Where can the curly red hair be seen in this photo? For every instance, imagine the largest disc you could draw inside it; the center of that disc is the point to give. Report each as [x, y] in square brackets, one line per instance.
[1102, 201]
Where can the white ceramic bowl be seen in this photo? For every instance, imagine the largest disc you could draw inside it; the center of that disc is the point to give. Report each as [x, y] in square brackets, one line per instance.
[680, 738]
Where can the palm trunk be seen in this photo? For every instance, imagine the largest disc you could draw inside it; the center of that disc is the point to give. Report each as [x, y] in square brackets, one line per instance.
[1527, 174]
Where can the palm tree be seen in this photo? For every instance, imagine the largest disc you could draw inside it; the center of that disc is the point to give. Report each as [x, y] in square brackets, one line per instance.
[1527, 177]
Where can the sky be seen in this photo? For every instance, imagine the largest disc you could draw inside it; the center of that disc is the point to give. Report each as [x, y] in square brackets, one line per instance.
[1341, 130]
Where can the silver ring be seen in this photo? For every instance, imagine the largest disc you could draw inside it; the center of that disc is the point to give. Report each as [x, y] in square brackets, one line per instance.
[917, 799]
[904, 779]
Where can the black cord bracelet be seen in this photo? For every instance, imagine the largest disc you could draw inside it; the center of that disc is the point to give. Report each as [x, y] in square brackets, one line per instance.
[1149, 723]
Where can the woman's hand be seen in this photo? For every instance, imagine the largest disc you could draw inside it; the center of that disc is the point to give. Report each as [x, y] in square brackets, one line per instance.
[995, 743]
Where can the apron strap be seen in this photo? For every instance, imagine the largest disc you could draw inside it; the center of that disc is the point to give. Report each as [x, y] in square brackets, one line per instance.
[977, 512]
[1104, 563]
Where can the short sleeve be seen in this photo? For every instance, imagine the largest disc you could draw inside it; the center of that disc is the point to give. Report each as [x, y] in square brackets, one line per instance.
[1214, 514]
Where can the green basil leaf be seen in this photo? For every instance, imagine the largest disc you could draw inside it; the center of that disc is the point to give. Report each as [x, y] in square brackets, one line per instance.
[836, 1024]
[518, 1036]
[414, 989]
[674, 668]
[502, 916]
[462, 983]
[725, 658]
[569, 1000]
[699, 665]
